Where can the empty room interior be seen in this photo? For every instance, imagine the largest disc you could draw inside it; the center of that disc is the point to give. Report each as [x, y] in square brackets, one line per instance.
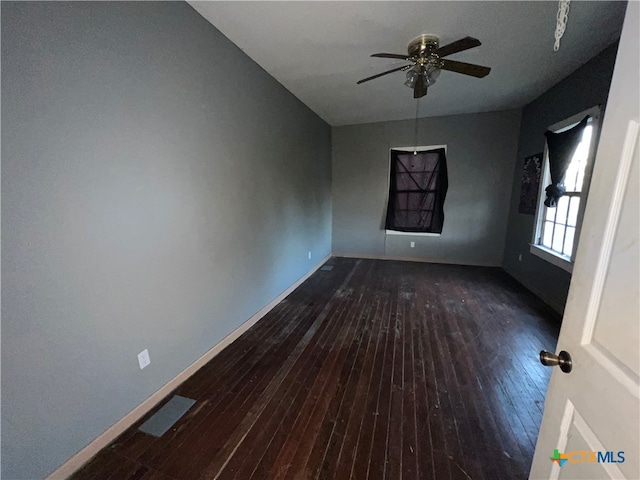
[320, 240]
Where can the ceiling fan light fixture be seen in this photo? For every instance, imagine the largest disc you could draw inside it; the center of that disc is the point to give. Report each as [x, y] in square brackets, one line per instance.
[431, 76]
[412, 76]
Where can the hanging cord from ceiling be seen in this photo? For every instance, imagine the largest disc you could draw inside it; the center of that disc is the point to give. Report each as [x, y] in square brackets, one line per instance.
[415, 129]
[561, 22]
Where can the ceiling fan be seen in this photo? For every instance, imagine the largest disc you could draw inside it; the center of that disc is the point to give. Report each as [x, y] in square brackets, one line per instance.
[426, 57]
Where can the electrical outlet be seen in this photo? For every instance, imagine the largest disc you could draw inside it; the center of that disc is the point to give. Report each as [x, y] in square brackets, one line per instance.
[520, 257]
[413, 244]
[143, 358]
[309, 254]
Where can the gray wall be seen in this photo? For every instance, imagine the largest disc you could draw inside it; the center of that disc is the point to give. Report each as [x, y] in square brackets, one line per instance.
[481, 149]
[586, 87]
[158, 188]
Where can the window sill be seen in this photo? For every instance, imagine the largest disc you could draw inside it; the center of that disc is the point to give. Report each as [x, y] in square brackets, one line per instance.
[413, 234]
[552, 257]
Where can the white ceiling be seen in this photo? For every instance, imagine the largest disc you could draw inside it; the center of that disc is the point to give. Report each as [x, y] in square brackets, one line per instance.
[319, 49]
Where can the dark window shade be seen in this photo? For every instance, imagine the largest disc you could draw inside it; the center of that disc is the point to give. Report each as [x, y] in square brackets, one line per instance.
[417, 190]
[561, 147]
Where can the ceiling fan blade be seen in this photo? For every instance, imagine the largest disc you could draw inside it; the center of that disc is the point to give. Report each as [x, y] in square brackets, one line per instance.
[419, 89]
[463, 44]
[390, 55]
[465, 68]
[383, 73]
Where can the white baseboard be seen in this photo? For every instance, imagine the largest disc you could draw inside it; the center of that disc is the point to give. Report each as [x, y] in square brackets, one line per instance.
[87, 453]
[413, 259]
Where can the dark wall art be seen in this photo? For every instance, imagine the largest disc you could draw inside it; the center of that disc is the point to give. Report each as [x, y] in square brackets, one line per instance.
[530, 184]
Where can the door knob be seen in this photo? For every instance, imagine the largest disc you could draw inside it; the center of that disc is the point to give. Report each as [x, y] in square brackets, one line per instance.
[563, 360]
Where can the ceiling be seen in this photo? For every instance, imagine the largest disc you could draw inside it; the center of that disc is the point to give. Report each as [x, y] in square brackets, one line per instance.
[319, 49]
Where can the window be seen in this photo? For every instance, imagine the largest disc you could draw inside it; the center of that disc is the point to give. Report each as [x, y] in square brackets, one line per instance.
[417, 188]
[557, 228]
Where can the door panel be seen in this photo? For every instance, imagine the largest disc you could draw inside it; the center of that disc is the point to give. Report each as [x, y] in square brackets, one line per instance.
[582, 439]
[613, 336]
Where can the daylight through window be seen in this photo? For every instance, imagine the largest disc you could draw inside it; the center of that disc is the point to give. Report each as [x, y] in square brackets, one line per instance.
[557, 228]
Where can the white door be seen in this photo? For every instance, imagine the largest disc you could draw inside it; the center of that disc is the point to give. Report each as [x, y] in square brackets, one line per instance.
[596, 407]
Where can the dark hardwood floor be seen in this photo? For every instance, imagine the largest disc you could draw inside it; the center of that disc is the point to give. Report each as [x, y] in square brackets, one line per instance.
[374, 370]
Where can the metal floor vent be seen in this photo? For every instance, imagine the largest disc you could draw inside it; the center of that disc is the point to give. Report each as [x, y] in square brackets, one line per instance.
[167, 416]
[327, 268]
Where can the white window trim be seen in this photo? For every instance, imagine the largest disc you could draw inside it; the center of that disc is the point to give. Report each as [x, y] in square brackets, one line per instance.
[535, 248]
[409, 149]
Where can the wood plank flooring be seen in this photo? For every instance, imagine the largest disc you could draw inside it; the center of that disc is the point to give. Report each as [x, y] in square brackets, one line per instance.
[373, 370]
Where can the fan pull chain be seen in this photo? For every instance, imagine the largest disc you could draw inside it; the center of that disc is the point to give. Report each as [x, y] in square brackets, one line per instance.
[561, 22]
[415, 129]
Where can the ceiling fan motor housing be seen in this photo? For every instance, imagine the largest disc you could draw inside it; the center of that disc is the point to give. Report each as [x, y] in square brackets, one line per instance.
[423, 44]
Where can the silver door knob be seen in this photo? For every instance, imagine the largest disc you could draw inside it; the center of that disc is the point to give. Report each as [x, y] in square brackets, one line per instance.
[563, 360]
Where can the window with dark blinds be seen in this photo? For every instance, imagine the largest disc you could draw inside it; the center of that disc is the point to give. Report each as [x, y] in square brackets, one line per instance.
[417, 189]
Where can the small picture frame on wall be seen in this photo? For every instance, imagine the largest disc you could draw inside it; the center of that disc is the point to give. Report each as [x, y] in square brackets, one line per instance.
[530, 183]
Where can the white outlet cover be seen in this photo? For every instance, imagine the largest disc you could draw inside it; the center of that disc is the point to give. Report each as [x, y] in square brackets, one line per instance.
[143, 358]
[309, 254]
[413, 244]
